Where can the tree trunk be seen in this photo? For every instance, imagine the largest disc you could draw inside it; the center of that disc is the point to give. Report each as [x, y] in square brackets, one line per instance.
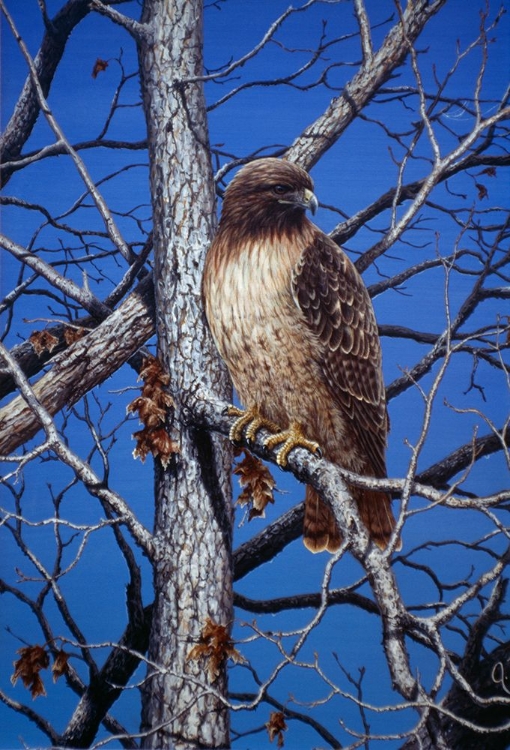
[192, 566]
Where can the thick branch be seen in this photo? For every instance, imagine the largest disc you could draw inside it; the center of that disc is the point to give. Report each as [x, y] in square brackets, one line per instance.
[48, 58]
[269, 542]
[302, 601]
[106, 686]
[84, 365]
[489, 679]
[376, 69]
[440, 473]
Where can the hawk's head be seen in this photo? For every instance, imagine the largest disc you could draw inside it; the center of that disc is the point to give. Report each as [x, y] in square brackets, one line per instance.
[268, 194]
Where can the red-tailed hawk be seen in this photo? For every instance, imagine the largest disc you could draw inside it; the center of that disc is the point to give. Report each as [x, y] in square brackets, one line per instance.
[294, 323]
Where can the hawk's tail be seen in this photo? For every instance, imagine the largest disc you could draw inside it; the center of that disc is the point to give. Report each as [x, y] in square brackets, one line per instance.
[375, 511]
[320, 530]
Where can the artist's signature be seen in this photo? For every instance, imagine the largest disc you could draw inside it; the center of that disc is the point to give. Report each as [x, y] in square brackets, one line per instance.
[498, 676]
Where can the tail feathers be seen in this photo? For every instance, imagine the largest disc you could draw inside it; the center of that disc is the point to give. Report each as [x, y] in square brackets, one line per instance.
[375, 511]
[320, 530]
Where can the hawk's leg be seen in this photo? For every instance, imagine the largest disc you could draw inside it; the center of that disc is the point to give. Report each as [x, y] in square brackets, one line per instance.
[252, 419]
[291, 438]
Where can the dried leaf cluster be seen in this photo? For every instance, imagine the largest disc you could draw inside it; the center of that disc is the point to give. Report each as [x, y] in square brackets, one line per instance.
[152, 407]
[73, 334]
[276, 726]
[258, 484]
[32, 660]
[44, 341]
[216, 646]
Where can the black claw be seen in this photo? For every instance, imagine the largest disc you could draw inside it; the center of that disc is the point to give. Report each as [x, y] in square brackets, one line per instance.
[319, 453]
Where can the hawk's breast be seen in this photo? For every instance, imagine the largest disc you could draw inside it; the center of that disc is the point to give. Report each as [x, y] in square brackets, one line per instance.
[259, 331]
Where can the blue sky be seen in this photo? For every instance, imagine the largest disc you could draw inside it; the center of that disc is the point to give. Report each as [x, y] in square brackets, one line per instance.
[355, 172]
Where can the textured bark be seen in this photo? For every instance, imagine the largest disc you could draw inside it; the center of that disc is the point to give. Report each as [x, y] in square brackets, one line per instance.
[192, 565]
[82, 366]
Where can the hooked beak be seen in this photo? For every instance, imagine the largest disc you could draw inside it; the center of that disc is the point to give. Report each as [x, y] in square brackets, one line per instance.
[310, 200]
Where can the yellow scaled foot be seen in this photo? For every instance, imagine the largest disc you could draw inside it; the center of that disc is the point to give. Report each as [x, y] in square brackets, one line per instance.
[251, 419]
[291, 438]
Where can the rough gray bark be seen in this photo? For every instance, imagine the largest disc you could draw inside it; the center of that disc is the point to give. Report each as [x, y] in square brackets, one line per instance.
[82, 366]
[182, 708]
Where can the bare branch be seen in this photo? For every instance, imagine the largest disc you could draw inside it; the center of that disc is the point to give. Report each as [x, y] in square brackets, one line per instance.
[82, 366]
[103, 209]
[137, 30]
[364, 28]
[85, 473]
[308, 148]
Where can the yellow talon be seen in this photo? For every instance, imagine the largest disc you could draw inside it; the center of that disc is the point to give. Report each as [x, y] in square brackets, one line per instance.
[291, 438]
[251, 419]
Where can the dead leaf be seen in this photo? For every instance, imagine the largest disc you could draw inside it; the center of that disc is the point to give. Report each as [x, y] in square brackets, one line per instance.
[152, 407]
[157, 442]
[43, 341]
[276, 726]
[60, 665]
[152, 371]
[73, 334]
[28, 666]
[99, 67]
[482, 191]
[149, 413]
[258, 484]
[489, 171]
[216, 646]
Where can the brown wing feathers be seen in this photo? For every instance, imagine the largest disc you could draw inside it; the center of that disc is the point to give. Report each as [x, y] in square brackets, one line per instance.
[337, 307]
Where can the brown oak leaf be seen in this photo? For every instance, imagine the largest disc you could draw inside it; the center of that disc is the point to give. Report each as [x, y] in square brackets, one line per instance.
[43, 341]
[32, 660]
[149, 412]
[216, 646]
[258, 484]
[152, 407]
[152, 372]
[99, 67]
[73, 334]
[157, 442]
[276, 726]
[60, 665]
[482, 191]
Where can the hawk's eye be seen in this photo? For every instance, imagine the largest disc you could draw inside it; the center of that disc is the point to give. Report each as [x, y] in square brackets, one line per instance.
[281, 189]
